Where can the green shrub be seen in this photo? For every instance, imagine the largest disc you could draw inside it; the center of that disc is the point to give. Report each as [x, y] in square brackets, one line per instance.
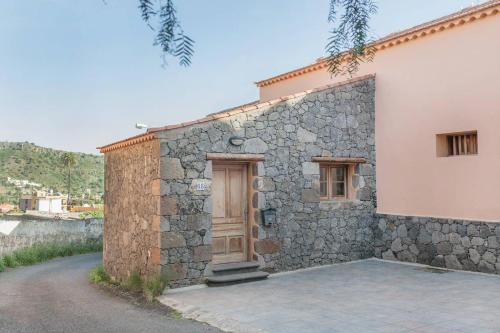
[134, 282]
[154, 287]
[41, 252]
[2, 265]
[96, 214]
[99, 275]
[151, 288]
[9, 261]
[27, 256]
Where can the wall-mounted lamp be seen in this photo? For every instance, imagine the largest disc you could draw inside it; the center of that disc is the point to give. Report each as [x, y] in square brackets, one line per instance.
[268, 217]
[202, 233]
[141, 126]
[236, 140]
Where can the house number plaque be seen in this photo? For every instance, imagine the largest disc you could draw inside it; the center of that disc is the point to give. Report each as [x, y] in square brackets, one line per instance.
[201, 186]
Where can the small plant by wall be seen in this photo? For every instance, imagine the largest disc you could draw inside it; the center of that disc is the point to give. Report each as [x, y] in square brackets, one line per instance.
[154, 287]
[133, 283]
[149, 288]
[94, 214]
[99, 275]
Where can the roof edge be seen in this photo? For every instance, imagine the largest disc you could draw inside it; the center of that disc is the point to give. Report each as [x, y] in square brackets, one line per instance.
[453, 20]
[150, 134]
[127, 142]
[256, 106]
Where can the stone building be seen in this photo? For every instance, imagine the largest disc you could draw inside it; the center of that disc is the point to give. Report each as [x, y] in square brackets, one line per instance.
[183, 197]
[396, 163]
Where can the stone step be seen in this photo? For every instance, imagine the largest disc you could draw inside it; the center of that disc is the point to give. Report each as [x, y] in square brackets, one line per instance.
[220, 280]
[235, 267]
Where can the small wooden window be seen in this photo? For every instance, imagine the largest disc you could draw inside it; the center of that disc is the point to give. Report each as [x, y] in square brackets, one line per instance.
[456, 144]
[333, 181]
[462, 144]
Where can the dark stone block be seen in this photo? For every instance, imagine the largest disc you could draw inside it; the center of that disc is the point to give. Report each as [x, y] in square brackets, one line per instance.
[444, 248]
[438, 261]
[310, 195]
[267, 246]
[485, 267]
[481, 249]
[407, 256]
[484, 231]
[468, 265]
[462, 230]
[424, 237]
[426, 252]
[202, 253]
[413, 232]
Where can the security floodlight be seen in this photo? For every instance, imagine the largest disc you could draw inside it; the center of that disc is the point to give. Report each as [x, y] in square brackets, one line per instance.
[141, 126]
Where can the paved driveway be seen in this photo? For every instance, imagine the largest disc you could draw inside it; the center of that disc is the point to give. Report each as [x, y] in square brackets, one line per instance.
[57, 297]
[364, 296]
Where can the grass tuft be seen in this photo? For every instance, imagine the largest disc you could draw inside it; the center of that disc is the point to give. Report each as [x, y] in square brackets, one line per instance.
[134, 282]
[41, 252]
[150, 288]
[154, 287]
[9, 261]
[99, 275]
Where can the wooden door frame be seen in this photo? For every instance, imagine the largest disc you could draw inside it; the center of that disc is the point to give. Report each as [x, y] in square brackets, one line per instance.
[248, 218]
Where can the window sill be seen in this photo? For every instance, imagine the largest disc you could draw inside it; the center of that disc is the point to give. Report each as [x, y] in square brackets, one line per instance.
[458, 156]
[331, 205]
[337, 200]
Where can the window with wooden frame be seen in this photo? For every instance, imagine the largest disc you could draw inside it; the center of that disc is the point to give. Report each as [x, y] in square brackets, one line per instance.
[333, 181]
[456, 144]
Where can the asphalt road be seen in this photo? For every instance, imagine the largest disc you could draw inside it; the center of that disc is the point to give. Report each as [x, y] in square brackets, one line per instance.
[57, 297]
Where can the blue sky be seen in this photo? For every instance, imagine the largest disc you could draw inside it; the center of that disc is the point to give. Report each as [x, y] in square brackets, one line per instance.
[76, 74]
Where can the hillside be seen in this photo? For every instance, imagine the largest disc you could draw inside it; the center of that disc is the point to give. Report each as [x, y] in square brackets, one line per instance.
[27, 161]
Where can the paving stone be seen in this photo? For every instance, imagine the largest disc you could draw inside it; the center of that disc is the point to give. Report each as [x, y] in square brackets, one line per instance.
[348, 298]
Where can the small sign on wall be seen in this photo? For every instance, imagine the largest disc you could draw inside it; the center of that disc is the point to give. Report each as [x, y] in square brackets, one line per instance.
[201, 186]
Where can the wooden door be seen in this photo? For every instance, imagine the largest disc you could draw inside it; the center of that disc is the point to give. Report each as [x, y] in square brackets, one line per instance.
[229, 216]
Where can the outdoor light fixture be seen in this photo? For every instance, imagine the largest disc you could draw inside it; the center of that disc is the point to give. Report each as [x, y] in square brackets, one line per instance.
[268, 217]
[141, 126]
[202, 233]
[236, 140]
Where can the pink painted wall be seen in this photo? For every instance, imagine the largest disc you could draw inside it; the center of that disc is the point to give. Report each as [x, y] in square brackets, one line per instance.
[442, 83]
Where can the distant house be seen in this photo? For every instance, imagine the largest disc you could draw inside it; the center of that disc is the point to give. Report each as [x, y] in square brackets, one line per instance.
[49, 204]
[27, 202]
[6, 207]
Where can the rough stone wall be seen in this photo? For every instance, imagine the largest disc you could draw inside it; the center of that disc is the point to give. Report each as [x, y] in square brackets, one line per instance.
[335, 122]
[455, 244]
[131, 210]
[16, 233]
